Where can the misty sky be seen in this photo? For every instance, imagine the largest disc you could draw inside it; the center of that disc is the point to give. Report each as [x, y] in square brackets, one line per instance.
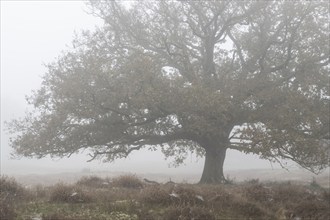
[34, 33]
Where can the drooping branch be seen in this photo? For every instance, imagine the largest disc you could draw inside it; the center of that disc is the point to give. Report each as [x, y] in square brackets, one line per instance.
[136, 142]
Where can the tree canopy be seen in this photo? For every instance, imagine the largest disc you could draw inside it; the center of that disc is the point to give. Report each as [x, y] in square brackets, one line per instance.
[181, 76]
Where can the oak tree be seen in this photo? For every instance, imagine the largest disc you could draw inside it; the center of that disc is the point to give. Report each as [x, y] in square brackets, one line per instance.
[182, 76]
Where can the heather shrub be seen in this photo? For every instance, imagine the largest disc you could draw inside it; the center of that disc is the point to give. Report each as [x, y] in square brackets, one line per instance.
[67, 193]
[93, 182]
[308, 209]
[127, 181]
[155, 195]
[326, 195]
[11, 190]
[258, 192]
[250, 210]
[187, 195]
[172, 213]
[314, 184]
[200, 213]
[217, 197]
[38, 191]
[287, 192]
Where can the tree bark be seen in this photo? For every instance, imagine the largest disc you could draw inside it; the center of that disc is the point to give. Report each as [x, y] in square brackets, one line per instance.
[213, 167]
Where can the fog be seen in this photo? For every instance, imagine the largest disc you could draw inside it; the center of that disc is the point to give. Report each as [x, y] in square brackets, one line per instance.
[34, 33]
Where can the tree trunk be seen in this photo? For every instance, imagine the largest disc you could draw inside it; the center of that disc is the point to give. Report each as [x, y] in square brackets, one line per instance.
[213, 167]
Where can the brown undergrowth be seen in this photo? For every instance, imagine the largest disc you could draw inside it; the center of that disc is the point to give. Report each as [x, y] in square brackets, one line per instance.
[130, 198]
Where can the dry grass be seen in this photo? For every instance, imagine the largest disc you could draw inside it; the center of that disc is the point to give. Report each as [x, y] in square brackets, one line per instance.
[127, 198]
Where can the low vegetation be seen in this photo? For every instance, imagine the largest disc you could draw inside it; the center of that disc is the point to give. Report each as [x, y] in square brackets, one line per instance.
[130, 198]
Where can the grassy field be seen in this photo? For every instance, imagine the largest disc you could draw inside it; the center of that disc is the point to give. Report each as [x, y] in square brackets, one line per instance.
[128, 197]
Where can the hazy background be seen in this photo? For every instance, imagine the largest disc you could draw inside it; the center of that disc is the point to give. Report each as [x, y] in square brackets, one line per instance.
[35, 32]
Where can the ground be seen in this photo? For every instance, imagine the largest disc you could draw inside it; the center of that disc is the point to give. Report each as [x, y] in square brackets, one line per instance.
[129, 197]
